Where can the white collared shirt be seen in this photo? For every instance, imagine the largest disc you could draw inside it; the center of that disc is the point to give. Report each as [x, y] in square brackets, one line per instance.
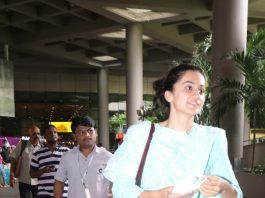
[73, 166]
[25, 164]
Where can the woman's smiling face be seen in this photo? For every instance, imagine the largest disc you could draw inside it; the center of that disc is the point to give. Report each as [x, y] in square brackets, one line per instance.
[188, 94]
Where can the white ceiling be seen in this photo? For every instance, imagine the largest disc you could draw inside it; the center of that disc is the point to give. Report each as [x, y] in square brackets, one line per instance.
[65, 34]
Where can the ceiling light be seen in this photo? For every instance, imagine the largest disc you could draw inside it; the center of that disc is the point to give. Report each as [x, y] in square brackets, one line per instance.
[120, 35]
[94, 63]
[140, 15]
[104, 58]
[138, 11]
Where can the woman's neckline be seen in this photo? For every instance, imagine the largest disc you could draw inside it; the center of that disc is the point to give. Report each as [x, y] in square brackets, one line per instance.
[178, 130]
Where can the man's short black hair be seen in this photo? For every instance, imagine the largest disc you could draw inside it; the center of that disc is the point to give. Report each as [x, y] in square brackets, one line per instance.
[82, 121]
[47, 127]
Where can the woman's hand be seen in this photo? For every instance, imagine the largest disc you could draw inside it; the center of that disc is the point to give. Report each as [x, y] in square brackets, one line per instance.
[164, 193]
[214, 185]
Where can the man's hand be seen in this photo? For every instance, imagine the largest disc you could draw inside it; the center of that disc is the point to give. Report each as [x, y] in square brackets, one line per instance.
[48, 169]
[37, 173]
[12, 180]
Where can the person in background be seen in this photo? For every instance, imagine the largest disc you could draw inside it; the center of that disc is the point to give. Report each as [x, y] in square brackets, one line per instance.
[28, 187]
[6, 161]
[12, 148]
[185, 159]
[45, 161]
[119, 139]
[3, 182]
[83, 165]
[6, 151]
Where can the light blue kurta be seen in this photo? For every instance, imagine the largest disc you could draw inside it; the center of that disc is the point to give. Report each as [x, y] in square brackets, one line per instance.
[173, 156]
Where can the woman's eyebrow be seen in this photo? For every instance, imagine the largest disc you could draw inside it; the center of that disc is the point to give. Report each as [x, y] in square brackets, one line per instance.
[188, 82]
[191, 82]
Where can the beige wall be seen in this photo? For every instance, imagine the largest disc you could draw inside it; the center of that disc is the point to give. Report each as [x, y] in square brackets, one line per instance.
[73, 82]
[55, 82]
[259, 155]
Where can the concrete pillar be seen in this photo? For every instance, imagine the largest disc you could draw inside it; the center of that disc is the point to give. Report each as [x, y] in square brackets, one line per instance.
[230, 34]
[103, 118]
[134, 78]
[1, 127]
[6, 52]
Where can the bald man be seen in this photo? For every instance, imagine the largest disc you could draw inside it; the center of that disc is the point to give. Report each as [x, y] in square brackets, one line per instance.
[28, 187]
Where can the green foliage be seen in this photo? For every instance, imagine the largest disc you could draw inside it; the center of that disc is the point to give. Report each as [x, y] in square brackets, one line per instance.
[201, 56]
[116, 122]
[149, 112]
[155, 115]
[259, 169]
[252, 92]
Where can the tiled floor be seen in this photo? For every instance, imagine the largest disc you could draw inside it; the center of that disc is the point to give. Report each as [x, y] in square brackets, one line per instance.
[9, 192]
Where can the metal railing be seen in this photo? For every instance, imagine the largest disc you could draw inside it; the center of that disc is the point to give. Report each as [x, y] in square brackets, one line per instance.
[258, 141]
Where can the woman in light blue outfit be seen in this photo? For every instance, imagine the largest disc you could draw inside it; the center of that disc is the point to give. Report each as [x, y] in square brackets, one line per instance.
[185, 159]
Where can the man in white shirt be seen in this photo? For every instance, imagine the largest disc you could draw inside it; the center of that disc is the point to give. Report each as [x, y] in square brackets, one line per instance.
[28, 187]
[83, 165]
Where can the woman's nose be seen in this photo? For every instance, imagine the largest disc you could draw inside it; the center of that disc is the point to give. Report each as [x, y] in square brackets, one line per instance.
[196, 92]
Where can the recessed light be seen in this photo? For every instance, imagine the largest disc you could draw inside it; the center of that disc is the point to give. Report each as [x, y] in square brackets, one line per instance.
[140, 15]
[104, 58]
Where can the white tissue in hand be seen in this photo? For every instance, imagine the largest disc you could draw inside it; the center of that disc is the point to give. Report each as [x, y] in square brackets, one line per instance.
[189, 184]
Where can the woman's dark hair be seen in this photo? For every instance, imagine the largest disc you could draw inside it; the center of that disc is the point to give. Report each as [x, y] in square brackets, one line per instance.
[82, 121]
[167, 82]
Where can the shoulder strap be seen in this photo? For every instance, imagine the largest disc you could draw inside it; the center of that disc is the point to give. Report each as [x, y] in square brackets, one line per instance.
[141, 166]
[23, 146]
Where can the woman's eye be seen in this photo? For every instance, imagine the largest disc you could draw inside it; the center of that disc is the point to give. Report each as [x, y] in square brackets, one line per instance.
[189, 88]
[202, 91]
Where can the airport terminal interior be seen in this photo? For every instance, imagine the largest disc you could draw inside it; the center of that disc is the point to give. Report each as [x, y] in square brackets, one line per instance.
[56, 50]
[57, 47]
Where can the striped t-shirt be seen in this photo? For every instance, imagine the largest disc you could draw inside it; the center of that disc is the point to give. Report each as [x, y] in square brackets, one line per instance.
[45, 157]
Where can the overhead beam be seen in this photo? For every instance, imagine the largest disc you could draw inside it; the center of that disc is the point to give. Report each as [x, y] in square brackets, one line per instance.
[58, 51]
[170, 36]
[169, 5]
[81, 30]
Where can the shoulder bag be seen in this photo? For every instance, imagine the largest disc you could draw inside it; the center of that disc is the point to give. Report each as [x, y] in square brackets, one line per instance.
[141, 166]
[18, 161]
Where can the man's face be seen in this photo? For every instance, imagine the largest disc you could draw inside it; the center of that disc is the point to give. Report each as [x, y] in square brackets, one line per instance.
[4, 143]
[34, 133]
[51, 135]
[86, 136]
